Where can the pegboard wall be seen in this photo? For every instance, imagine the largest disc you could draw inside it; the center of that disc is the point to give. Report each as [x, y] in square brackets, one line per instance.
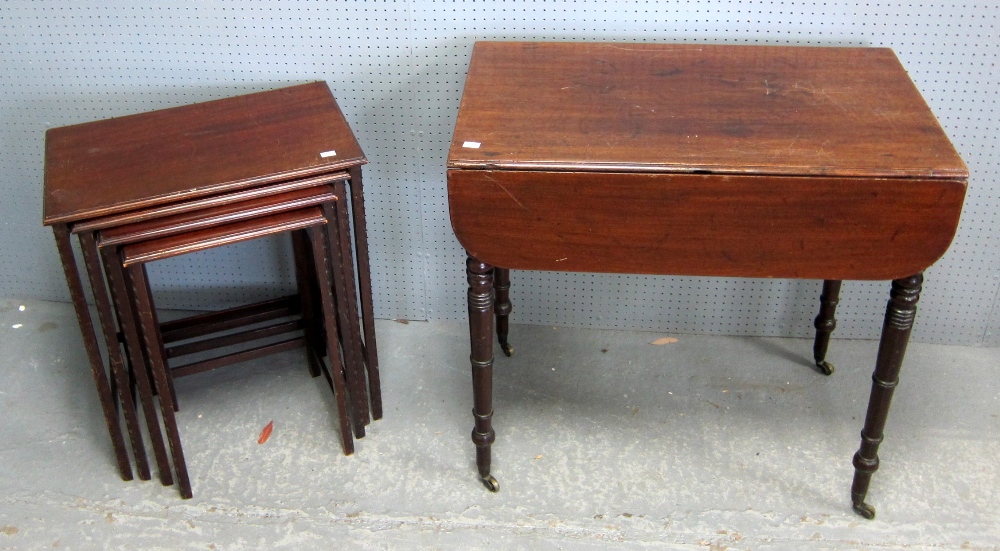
[397, 70]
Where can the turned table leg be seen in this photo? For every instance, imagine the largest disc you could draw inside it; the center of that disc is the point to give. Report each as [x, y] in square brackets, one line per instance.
[895, 334]
[825, 323]
[481, 300]
[501, 284]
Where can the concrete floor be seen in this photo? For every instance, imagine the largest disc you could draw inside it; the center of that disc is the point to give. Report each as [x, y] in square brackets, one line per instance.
[603, 440]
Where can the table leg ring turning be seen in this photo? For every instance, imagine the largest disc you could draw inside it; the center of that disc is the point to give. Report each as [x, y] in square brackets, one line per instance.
[825, 324]
[899, 316]
[503, 307]
[483, 441]
[481, 310]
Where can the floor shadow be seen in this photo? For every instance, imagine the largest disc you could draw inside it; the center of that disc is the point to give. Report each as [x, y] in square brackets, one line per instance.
[772, 348]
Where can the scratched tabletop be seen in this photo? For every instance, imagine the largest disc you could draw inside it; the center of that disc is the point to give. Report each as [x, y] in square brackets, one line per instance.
[777, 110]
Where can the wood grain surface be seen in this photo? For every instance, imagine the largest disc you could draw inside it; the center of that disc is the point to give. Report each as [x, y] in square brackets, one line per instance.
[201, 203]
[704, 225]
[174, 245]
[217, 216]
[120, 164]
[781, 110]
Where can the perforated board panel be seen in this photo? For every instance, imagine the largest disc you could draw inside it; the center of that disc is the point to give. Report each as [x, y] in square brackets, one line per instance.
[397, 69]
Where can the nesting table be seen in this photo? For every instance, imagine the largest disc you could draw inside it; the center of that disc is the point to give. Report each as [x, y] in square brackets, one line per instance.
[702, 160]
[200, 168]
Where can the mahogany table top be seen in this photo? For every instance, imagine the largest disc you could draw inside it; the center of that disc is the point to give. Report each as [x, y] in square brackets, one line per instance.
[778, 110]
[119, 164]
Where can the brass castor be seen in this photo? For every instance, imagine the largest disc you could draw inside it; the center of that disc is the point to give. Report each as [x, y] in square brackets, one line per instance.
[508, 349]
[825, 367]
[491, 483]
[864, 510]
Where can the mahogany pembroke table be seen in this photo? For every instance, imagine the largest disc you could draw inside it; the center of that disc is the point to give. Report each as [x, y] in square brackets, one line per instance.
[700, 160]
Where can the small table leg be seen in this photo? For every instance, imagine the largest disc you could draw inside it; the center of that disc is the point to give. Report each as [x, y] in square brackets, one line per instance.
[365, 288]
[306, 285]
[119, 371]
[501, 284]
[825, 323]
[481, 300]
[128, 321]
[340, 251]
[895, 334]
[323, 276]
[153, 345]
[93, 351]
